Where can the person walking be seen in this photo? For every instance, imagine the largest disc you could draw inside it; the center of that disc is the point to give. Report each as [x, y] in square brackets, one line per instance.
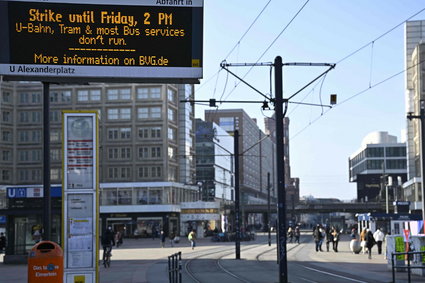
[297, 234]
[317, 235]
[363, 240]
[162, 237]
[379, 238]
[192, 239]
[2, 242]
[172, 239]
[290, 234]
[335, 239]
[328, 237]
[370, 242]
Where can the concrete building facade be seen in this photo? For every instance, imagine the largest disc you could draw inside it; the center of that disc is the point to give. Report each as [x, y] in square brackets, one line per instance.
[146, 153]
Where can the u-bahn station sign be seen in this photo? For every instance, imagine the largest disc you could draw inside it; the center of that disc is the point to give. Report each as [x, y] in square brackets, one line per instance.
[93, 40]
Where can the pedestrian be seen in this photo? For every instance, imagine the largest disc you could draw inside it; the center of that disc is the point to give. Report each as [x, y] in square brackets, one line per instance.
[335, 239]
[379, 238]
[370, 242]
[363, 240]
[290, 234]
[2, 242]
[317, 235]
[192, 239]
[328, 237]
[162, 236]
[172, 239]
[297, 234]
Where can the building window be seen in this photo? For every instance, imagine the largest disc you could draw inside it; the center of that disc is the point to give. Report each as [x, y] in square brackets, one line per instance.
[374, 152]
[119, 114]
[171, 115]
[6, 136]
[6, 97]
[171, 153]
[156, 171]
[55, 154]
[144, 172]
[395, 151]
[119, 94]
[6, 155]
[122, 173]
[171, 94]
[55, 136]
[55, 116]
[374, 164]
[119, 153]
[5, 175]
[60, 96]
[171, 134]
[144, 133]
[227, 123]
[149, 93]
[88, 95]
[6, 116]
[156, 152]
[119, 133]
[149, 112]
[156, 132]
[397, 164]
[29, 136]
[143, 152]
[55, 174]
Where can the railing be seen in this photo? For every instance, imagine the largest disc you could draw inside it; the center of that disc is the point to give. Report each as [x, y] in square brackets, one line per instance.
[175, 268]
[408, 267]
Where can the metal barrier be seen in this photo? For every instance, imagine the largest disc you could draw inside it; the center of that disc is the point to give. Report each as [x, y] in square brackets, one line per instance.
[408, 267]
[175, 268]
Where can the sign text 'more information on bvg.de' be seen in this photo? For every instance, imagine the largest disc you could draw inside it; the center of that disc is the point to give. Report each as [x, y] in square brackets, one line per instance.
[93, 40]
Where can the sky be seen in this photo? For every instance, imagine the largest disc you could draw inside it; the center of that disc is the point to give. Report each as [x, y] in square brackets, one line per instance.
[366, 41]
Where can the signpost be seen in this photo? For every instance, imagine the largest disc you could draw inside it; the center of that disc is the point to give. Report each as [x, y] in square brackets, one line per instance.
[95, 40]
[80, 204]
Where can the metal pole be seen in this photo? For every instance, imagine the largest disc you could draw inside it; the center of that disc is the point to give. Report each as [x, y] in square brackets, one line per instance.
[422, 105]
[237, 203]
[47, 211]
[281, 206]
[268, 209]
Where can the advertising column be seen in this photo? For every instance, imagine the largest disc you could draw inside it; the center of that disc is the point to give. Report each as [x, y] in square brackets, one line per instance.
[80, 191]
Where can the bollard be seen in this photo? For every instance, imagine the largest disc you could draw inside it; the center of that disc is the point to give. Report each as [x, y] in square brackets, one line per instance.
[175, 268]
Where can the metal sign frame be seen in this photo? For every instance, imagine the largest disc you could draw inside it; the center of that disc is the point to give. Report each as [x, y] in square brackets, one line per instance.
[80, 206]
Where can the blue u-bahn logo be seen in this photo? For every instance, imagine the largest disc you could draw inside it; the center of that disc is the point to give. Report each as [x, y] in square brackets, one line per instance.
[16, 192]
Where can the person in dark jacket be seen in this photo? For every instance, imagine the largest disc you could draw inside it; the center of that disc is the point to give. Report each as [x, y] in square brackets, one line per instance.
[318, 238]
[370, 242]
[108, 240]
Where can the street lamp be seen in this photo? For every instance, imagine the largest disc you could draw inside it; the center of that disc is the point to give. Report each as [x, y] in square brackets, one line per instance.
[421, 116]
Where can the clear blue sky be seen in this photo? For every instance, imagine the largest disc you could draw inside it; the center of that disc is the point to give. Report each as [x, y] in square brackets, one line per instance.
[325, 31]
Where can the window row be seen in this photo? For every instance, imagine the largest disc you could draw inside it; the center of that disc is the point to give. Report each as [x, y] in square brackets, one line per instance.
[124, 173]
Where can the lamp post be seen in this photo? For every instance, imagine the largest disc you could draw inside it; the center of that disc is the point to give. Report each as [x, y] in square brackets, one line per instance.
[421, 116]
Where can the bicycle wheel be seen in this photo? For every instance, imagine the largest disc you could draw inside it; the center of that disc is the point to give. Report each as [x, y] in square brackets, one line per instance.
[108, 261]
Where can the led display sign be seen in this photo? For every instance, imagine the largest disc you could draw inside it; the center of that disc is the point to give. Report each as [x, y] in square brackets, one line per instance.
[130, 40]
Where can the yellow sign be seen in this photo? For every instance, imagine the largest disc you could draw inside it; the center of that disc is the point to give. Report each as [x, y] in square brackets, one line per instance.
[79, 279]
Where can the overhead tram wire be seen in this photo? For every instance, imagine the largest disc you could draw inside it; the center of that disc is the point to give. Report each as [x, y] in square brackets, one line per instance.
[370, 86]
[379, 37]
[270, 45]
[237, 43]
[355, 95]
